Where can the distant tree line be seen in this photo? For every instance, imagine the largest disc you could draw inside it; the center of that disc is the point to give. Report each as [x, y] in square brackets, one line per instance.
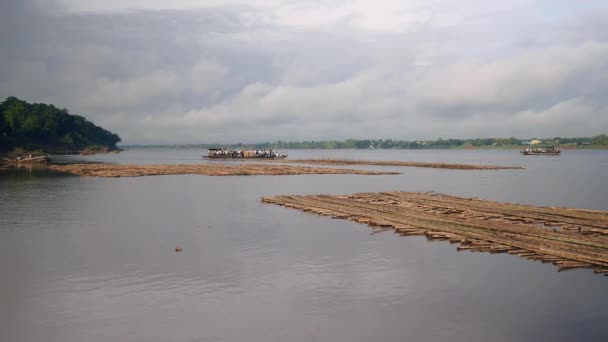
[432, 144]
[46, 127]
[599, 140]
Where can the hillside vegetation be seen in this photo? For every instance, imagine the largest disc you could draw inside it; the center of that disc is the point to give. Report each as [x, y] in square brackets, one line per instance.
[40, 126]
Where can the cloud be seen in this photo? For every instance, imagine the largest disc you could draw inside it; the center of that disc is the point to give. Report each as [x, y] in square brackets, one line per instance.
[110, 94]
[222, 71]
[207, 76]
[574, 117]
[351, 99]
[530, 79]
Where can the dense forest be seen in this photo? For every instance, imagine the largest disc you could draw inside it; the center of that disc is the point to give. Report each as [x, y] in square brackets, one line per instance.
[45, 127]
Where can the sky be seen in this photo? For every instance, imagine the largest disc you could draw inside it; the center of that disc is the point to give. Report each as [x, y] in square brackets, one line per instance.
[226, 71]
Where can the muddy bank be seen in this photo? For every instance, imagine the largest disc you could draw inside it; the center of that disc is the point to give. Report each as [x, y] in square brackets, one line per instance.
[108, 170]
[568, 238]
[398, 163]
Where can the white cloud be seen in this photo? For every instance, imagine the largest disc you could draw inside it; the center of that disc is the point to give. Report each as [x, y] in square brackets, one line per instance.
[510, 82]
[570, 118]
[352, 99]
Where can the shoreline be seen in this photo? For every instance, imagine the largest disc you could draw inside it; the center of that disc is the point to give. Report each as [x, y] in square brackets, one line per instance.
[45, 150]
[483, 147]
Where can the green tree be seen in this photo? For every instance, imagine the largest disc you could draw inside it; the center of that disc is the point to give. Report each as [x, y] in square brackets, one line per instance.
[601, 139]
[42, 125]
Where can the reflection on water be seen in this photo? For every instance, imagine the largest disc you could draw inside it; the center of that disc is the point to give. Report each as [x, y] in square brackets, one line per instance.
[93, 259]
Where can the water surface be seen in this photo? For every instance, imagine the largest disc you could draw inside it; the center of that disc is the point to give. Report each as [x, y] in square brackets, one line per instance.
[92, 259]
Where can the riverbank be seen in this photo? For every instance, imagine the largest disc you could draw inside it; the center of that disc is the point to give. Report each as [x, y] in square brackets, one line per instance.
[110, 170]
[46, 150]
[566, 237]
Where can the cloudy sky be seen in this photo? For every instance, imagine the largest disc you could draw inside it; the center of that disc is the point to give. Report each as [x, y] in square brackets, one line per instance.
[188, 71]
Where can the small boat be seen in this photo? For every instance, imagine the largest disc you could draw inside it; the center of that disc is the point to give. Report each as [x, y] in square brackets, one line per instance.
[550, 151]
[219, 153]
[28, 160]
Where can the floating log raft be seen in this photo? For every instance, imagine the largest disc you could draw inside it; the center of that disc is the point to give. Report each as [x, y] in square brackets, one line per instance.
[398, 163]
[108, 170]
[568, 238]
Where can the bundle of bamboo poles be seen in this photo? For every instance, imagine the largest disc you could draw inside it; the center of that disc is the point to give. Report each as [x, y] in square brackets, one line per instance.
[112, 170]
[568, 238]
[436, 165]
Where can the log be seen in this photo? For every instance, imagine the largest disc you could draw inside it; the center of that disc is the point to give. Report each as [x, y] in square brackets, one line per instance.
[478, 225]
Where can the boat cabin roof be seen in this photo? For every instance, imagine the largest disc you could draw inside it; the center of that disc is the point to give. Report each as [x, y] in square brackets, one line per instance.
[222, 149]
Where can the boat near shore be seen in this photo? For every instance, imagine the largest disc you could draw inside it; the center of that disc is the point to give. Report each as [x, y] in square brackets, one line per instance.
[219, 153]
[27, 160]
[549, 151]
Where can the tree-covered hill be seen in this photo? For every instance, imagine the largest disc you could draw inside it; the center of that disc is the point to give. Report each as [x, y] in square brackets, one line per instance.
[39, 126]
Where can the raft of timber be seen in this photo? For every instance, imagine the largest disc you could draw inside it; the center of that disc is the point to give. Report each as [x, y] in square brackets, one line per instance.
[398, 163]
[110, 170]
[568, 238]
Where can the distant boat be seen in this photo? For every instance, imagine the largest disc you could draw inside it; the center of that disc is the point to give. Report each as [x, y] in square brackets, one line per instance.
[219, 153]
[550, 151]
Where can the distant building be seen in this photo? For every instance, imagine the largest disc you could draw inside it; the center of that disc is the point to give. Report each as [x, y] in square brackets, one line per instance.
[535, 142]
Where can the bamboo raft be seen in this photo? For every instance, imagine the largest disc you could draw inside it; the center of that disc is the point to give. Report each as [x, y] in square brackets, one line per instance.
[398, 163]
[566, 237]
[111, 170]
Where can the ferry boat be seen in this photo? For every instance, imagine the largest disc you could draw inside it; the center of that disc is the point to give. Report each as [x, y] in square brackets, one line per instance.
[551, 151]
[220, 153]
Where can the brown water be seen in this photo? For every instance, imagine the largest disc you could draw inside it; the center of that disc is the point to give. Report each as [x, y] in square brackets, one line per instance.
[93, 259]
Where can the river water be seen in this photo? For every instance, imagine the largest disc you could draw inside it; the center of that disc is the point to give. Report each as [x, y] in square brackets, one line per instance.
[93, 259]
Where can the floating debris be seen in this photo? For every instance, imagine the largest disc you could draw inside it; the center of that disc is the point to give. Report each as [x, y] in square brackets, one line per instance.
[476, 225]
[110, 170]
